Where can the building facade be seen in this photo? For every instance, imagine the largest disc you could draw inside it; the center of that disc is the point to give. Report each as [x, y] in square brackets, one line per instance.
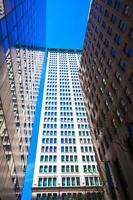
[106, 76]
[21, 58]
[19, 84]
[65, 166]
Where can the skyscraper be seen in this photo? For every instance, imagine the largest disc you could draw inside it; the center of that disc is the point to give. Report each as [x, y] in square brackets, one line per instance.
[106, 76]
[65, 166]
[21, 58]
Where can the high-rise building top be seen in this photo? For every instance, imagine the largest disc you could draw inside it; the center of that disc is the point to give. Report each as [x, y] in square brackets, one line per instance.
[65, 164]
[106, 75]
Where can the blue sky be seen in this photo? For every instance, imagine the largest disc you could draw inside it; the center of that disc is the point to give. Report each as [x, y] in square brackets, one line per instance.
[66, 23]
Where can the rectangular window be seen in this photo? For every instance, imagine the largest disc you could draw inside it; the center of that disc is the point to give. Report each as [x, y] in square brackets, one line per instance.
[50, 182]
[117, 38]
[68, 181]
[40, 182]
[122, 64]
[113, 18]
[127, 10]
[128, 49]
[54, 182]
[113, 52]
[63, 182]
[45, 182]
[117, 5]
[122, 25]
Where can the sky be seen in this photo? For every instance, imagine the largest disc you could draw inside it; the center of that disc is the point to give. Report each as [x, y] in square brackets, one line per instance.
[66, 23]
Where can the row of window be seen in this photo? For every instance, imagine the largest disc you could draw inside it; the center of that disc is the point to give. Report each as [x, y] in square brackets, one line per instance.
[71, 181]
[48, 158]
[70, 149]
[54, 140]
[48, 169]
[50, 119]
[65, 99]
[50, 113]
[50, 126]
[64, 86]
[66, 113]
[50, 107]
[83, 126]
[82, 120]
[90, 169]
[85, 149]
[51, 102]
[67, 126]
[65, 94]
[49, 140]
[92, 181]
[80, 114]
[49, 133]
[85, 140]
[48, 149]
[51, 94]
[88, 158]
[69, 168]
[67, 103]
[67, 133]
[69, 158]
[47, 182]
[66, 108]
[68, 141]
[66, 119]
[69, 196]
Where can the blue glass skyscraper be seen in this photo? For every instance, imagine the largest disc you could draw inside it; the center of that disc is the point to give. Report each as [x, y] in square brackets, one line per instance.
[22, 45]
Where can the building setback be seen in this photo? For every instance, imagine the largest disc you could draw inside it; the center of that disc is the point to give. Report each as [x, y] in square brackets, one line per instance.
[106, 76]
[65, 166]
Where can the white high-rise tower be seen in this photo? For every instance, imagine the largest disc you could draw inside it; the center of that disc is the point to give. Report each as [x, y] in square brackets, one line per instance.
[65, 166]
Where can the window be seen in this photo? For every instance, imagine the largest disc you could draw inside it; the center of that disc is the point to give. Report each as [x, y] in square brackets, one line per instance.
[128, 49]
[77, 180]
[110, 30]
[50, 182]
[40, 182]
[122, 64]
[113, 18]
[109, 2]
[73, 181]
[131, 79]
[113, 52]
[103, 24]
[106, 13]
[117, 38]
[129, 94]
[68, 181]
[63, 181]
[127, 10]
[117, 5]
[122, 25]
[41, 169]
[106, 43]
[86, 180]
[131, 34]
